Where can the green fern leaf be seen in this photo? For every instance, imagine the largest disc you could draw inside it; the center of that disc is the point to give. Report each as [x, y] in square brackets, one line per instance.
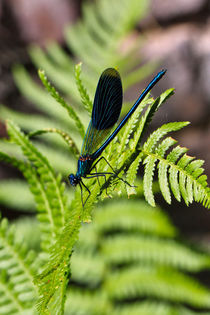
[135, 282]
[70, 142]
[163, 168]
[131, 124]
[147, 117]
[153, 251]
[48, 224]
[139, 216]
[148, 178]
[17, 269]
[53, 280]
[160, 132]
[64, 79]
[88, 104]
[38, 95]
[131, 175]
[61, 101]
[47, 178]
[154, 307]
[185, 180]
[173, 173]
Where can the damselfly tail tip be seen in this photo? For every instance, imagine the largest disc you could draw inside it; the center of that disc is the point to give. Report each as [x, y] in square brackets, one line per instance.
[161, 74]
[163, 71]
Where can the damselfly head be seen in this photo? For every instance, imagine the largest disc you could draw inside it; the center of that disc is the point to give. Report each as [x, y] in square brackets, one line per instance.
[74, 179]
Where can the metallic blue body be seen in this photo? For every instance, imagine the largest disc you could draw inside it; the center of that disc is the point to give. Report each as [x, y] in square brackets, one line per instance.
[83, 168]
[84, 165]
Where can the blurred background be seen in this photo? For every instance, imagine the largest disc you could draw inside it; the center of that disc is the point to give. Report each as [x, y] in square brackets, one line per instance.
[175, 34]
[168, 34]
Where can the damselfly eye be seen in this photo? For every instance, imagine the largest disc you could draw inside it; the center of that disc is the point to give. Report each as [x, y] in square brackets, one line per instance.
[73, 180]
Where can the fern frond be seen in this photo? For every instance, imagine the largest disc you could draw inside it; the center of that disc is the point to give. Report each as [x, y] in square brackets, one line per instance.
[60, 100]
[17, 269]
[60, 57]
[154, 307]
[98, 39]
[162, 168]
[150, 160]
[185, 180]
[160, 132]
[133, 267]
[37, 122]
[152, 251]
[137, 216]
[147, 117]
[87, 302]
[47, 178]
[167, 283]
[48, 223]
[70, 142]
[131, 175]
[53, 280]
[64, 79]
[38, 95]
[88, 104]
[131, 124]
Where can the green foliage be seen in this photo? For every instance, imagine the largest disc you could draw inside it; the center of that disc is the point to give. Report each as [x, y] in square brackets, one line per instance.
[18, 267]
[95, 38]
[185, 174]
[60, 223]
[129, 252]
[61, 101]
[82, 90]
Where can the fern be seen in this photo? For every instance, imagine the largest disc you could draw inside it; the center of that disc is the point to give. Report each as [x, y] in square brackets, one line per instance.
[186, 175]
[103, 39]
[64, 228]
[123, 256]
[17, 269]
[124, 272]
[150, 152]
[71, 144]
[61, 101]
[53, 281]
[88, 104]
[160, 282]
[46, 187]
[169, 252]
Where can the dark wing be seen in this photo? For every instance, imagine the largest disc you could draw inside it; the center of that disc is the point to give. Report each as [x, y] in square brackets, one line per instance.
[106, 110]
